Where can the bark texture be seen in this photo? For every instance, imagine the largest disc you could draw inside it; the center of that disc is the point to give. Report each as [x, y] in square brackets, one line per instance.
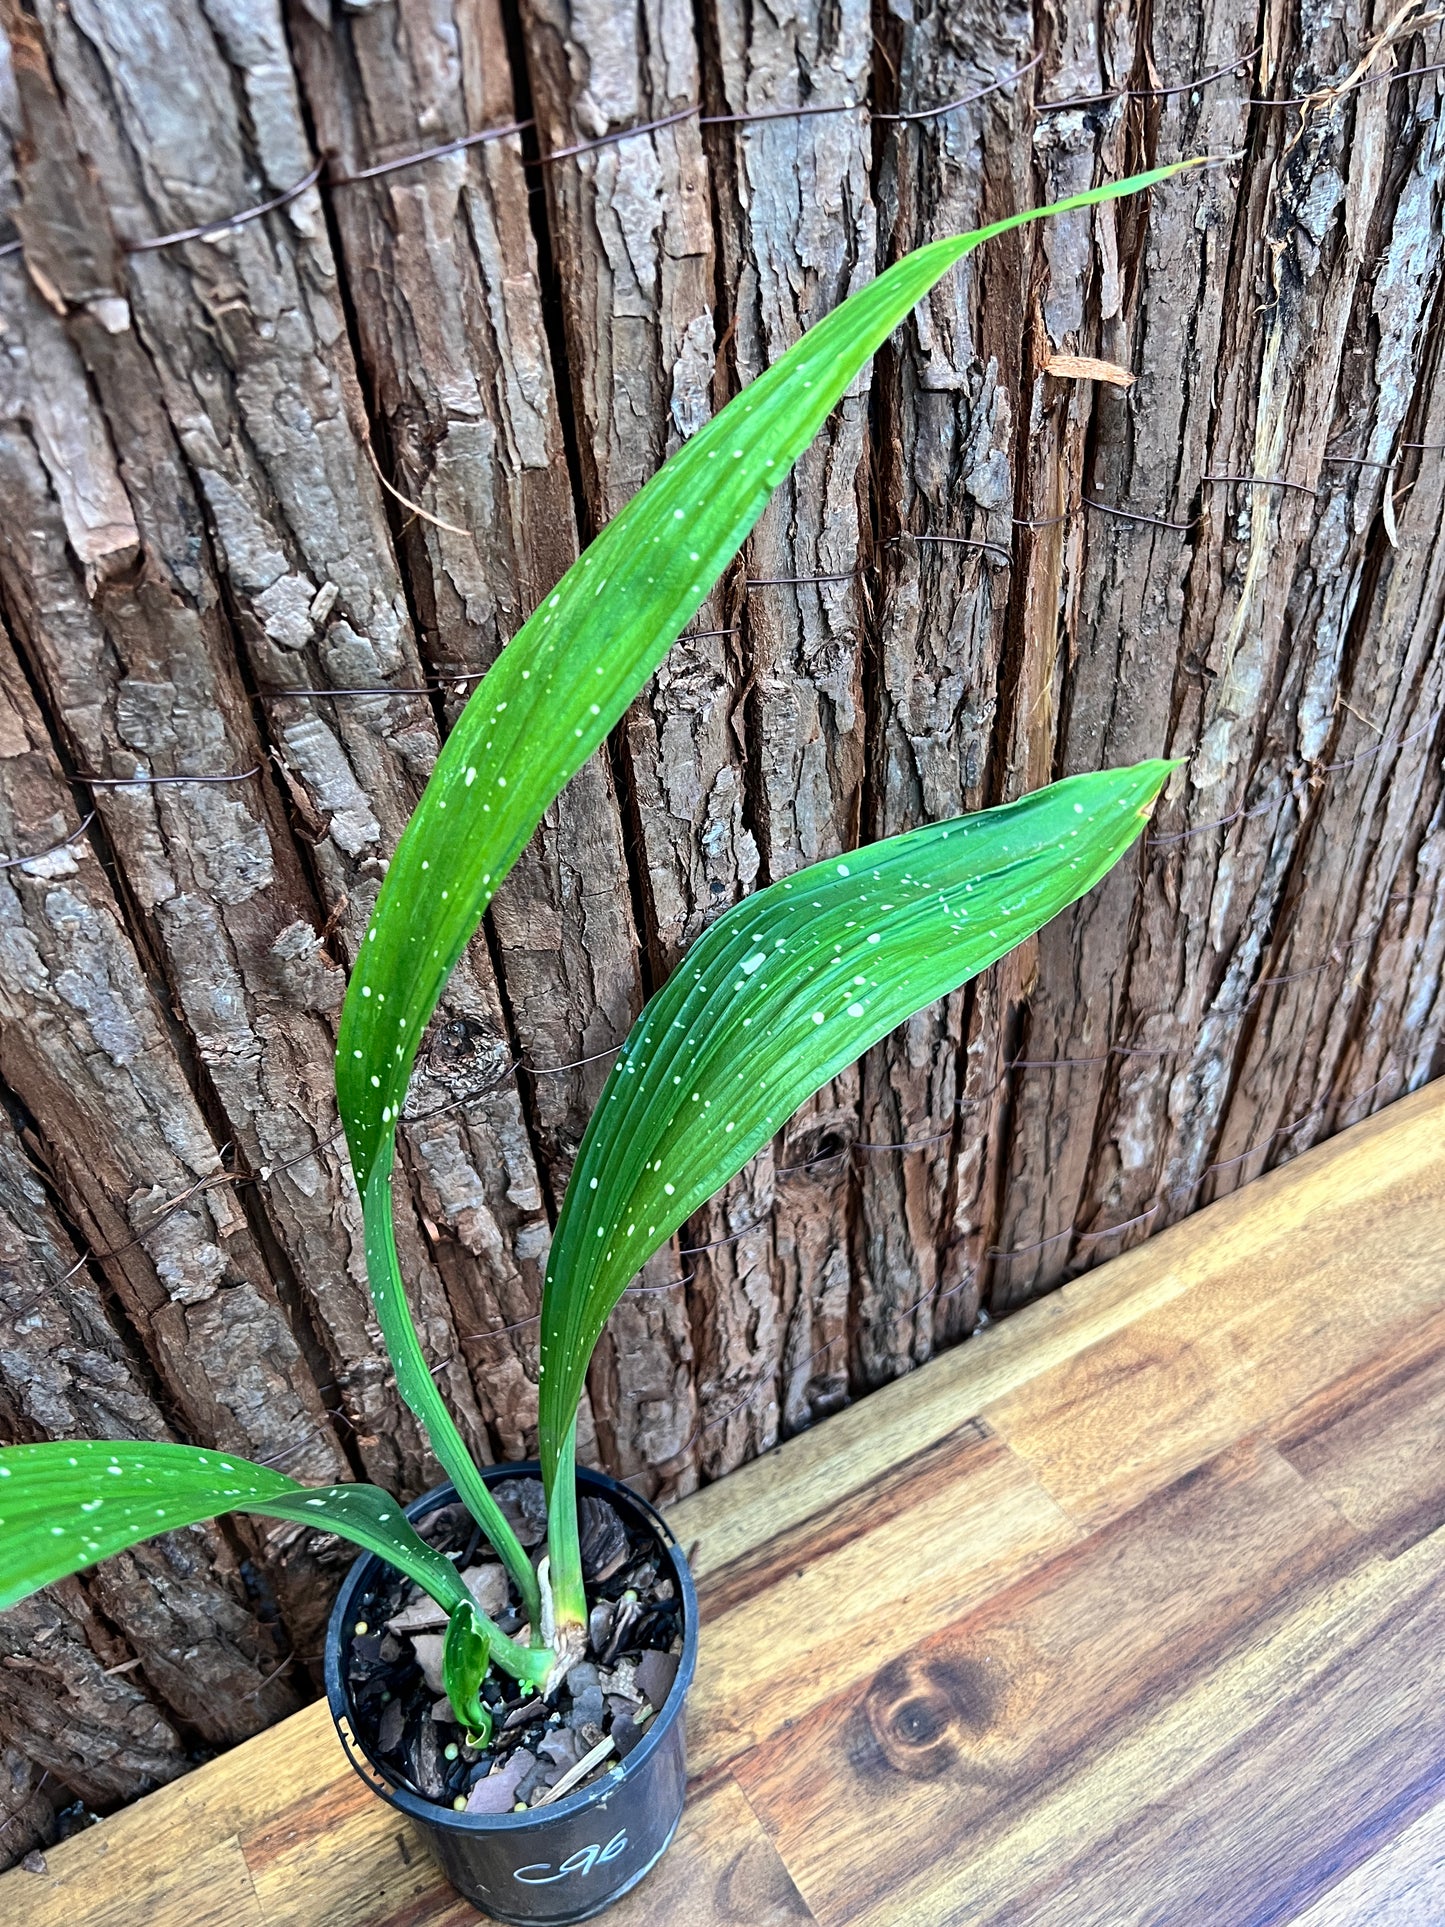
[348, 445]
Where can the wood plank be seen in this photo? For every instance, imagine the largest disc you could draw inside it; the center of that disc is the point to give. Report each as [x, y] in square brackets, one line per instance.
[376, 1864]
[1371, 1442]
[1400, 1885]
[800, 1480]
[1275, 1773]
[721, 1871]
[1081, 1671]
[1268, 1309]
[119, 1880]
[960, 1730]
[815, 1609]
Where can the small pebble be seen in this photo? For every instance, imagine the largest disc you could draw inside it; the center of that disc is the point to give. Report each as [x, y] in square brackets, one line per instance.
[459, 1805]
[360, 1629]
[450, 1752]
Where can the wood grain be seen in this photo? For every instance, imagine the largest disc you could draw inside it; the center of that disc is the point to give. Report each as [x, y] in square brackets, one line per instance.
[1090, 1624]
[1386, 1889]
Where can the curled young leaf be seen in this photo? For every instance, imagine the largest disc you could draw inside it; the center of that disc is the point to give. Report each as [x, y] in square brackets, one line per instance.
[466, 1650]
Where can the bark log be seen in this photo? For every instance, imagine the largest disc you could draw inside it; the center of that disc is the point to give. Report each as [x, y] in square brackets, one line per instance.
[27, 1805]
[631, 235]
[110, 1683]
[87, 1050]
[351, 443]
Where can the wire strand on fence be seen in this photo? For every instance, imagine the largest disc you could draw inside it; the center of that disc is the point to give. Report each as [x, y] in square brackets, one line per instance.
[1200, 829]
[1380, 749]
[1147, 93]
[444, 682]
[964, 100]
[19, 862]
[439, 687]
[1264, 481]
[786, 581]
[956, 542]
[1328, 95]
[156, 782]
[1243, 815]
[556, 1070]
[208, 230]
[442, 152]
[450, 681]
[326, 171]
[1136, 515]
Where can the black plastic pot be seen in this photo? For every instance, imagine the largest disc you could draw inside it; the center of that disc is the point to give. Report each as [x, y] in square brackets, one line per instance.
[568, 1861]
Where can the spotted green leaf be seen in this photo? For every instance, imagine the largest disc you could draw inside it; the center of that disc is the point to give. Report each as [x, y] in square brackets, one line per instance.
[778, 996]
[546, 704]
[66, 1504]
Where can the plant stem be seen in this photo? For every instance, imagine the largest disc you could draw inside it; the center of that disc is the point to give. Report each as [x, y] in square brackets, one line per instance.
[529, 1664]
[569, 1598]
[417, 1386]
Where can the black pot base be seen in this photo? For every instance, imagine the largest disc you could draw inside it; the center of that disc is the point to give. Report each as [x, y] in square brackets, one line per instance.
[596, 1843]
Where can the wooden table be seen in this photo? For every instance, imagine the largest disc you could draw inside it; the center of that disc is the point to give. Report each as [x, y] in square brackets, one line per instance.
[1131, 1610]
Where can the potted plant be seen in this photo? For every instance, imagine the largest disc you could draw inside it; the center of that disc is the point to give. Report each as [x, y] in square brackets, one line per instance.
[509, 1662]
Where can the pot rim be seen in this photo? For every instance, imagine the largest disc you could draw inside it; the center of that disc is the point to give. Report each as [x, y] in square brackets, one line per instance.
[429, 1812]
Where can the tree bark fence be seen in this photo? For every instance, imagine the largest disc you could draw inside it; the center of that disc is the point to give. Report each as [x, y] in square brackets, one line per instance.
[330, 333]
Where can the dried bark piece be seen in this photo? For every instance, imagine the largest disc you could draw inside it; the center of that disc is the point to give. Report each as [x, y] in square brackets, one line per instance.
[524, 1506]
[428, 1650]
[27, 1816]
[487, 1584]
[1088, 368]
[97, 1732]
[603, 1539]
[497, 1792]
[654, 1674]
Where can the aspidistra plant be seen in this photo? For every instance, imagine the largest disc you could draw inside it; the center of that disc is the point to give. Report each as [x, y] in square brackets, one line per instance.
[777, 997]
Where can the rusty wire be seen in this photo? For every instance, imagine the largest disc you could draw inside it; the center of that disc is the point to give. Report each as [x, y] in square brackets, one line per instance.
[155, 782]
[1242, 815]
[324, 171]
[1147, 93]
[1264, 481]
[444, 681]
[1327, 95]
[207, 230]
[18, 862]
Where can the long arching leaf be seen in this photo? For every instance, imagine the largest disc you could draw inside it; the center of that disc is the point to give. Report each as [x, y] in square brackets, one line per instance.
[66, 1504]
[546, 704]
[779, 995]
